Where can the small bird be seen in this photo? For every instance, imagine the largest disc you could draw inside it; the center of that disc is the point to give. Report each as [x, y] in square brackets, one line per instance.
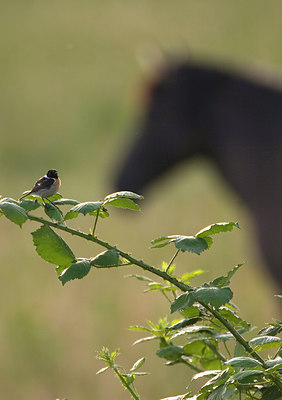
[46, 186]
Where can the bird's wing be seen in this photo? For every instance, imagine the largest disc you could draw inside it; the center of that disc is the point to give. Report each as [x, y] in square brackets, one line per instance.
[43, 183]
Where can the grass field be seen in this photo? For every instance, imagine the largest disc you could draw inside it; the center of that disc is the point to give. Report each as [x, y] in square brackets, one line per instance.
[69, 82]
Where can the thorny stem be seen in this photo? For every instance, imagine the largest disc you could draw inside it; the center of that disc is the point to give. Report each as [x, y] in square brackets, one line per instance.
[162, 274]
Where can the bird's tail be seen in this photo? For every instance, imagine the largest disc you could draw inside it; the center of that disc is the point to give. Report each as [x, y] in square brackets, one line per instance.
[25, 194]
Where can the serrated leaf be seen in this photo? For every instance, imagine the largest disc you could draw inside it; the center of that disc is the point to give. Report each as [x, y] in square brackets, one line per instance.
[13, 212]
[52, 248]
[217, 393]
[170, 353]
[246, 376]
[106, 259]
[265, 342]
[234, 320]
[63, 202]
[183, 301]
[217, 228]
[124, 203]
[53, 212]
[162, 241]
[71, 215]
[87, 207]
[191, 244]
[123, 194]
[138, 364]
[206, 374]
[29, 205]
[184, 323]
[217, 380]
[213, 295]
[77, 270]
[243, 362]
[225, 280]
[271, 393]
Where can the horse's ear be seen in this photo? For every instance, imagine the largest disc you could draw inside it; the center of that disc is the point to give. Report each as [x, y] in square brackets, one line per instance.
[150, 58]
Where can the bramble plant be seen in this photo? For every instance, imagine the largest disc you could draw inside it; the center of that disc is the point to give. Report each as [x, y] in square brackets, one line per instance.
[207, 325]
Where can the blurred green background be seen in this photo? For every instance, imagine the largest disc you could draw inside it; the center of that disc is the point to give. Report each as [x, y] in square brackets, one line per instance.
[70, 79]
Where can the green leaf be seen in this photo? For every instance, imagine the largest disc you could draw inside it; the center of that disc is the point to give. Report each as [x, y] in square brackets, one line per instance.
[234, 320]
[213, 295]
[13, 212]
[277, 362]
[138, 364]
[217, 228]
[190, 275]
[243, 362]
[217, 380]
[183, 243]
[123, 194]
[246, 376]
[140, 277]
[162, 241]
[225, 280]
[87, 207]
[218, 393]
[265, 342]
[53, 212]
[124, 203]
[206, 374]
[191, 244]
[139, 328]
[170, 353]
[29, 205]
[106, 259]
[184, 323]
[77, 270]
[183, 301]
[52, 248]
[271, 393]
[63, 202]
[102, 370]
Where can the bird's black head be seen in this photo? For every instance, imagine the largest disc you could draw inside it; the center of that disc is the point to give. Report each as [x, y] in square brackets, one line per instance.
[52, 173]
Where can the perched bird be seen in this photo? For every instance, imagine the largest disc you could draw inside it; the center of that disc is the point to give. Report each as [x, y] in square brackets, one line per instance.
[46, 186]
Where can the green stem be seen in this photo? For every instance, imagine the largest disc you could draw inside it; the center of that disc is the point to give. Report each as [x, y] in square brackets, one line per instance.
[125, 384]
[95, 223]
[171, 261]
[182, 286]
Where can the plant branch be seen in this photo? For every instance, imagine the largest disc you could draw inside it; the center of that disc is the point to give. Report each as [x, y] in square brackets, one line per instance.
[182, 286]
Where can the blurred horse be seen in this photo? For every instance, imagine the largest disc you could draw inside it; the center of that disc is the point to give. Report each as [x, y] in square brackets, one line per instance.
[230, 118]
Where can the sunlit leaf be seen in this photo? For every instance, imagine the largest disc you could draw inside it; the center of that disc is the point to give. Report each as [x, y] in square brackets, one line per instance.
[13, 212]
[123, 194]
[52, 248]
[106, 259]
[29, 205]
[87, 207]
[243, 362]
[63, 202]
[138, 364]
[183, 301]
[265, 342]
[213, 295]
[53, 212]
[123, 203]
[77, 270]
[217, 228]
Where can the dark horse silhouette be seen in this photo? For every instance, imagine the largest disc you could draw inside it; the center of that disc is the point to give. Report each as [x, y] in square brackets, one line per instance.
[232, 119]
